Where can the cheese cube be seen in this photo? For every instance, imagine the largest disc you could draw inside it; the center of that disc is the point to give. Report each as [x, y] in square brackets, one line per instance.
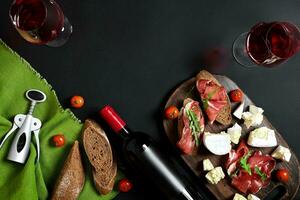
[238, 196]
[254, 117]
[235, 133]
[239, 111]
[207, 165]
[215, 175]
[262, 137]
[282, 153]
[255, 110]
[252, 197]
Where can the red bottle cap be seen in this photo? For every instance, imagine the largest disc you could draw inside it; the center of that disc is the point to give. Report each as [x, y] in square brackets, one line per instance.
[112, 118]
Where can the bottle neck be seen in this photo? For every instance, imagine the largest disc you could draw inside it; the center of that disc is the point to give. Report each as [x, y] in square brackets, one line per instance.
[124, 131]
[116, 123]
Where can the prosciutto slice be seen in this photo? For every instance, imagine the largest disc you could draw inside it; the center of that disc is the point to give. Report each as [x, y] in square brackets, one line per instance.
[213, 97]
[234, 157]
[257, 177]
[189, 137]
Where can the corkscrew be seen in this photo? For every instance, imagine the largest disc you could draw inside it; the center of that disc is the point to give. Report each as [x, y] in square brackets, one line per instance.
[26, 124]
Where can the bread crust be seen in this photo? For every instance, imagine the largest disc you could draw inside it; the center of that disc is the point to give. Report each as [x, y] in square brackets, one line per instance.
[224, 117]
[100, 155]
[71, 179]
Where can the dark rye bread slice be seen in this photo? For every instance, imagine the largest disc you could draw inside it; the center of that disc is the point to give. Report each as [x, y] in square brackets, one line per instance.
[71, 179]
[99, 153]
[224, 117]
[104, 182]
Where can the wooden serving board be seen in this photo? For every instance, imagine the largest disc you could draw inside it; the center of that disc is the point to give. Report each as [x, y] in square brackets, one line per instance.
[223, 190]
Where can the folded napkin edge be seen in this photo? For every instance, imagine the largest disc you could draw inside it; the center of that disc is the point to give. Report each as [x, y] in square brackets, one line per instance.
[42, 79]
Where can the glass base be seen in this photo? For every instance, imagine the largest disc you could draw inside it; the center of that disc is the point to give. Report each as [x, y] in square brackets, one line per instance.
[63, 36]
[239, 51]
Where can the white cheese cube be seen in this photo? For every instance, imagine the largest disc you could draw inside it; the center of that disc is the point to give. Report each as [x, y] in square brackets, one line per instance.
[217, 143]
[247, 117]
[235, 133]
[257, 119]
[282, 153]
[238, 112]
[252, 197]
[254, 117]
[238, 196]
[255, 110]
[262, 137]
[207, 165]
[215, 175]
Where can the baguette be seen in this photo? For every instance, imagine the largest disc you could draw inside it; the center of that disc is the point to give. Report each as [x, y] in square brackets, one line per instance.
[71, 179]
[224, 116]
[99, 153]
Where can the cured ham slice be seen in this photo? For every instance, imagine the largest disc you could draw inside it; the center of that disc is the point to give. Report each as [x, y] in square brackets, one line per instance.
[234, 157]
[252, 170]
[190, 126]
[213, 96]
[186, 143]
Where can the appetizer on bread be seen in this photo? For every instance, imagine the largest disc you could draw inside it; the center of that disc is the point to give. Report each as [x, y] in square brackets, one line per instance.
[216, 103]
[190, 126]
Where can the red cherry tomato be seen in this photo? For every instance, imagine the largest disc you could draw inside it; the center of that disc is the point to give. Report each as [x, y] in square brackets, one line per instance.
[236, 95]
[282, 175]
[58, 140]
[77, 101]
[171, 112]
[125, 185]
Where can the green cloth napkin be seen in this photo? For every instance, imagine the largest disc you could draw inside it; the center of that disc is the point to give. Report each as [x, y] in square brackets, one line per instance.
[31, 181]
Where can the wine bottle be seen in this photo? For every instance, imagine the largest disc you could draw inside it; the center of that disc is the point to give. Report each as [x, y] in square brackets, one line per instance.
[143, 154]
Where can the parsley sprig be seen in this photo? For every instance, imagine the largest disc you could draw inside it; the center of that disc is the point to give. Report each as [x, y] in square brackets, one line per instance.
[194, 125]
[262, 175]
[244, 164]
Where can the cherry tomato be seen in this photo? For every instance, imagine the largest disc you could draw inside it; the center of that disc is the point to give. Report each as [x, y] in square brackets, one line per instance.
[236, 95]
[58, 140]
[171, 112]
[282, 175]
[125, 185]
[77, 101]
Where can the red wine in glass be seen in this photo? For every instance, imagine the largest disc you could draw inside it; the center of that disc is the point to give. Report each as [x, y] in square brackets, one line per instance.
[267, 44]
[40, 22]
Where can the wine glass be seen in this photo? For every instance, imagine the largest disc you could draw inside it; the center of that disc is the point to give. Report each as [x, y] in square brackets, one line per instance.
[267, 44]
[40, 22]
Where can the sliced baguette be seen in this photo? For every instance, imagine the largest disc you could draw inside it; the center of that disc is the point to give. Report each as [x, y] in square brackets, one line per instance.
[224, 117]
[71, 179]
[99, 153]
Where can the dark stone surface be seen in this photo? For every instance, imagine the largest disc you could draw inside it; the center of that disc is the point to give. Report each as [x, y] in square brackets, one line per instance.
[132, 54]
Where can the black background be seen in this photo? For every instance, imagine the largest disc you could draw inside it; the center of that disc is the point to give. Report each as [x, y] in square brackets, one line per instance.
[132, 54]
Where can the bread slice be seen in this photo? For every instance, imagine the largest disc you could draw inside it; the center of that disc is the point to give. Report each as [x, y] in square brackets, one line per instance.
[71, 179]
[99, 153]
[104, 182]
[224, 117]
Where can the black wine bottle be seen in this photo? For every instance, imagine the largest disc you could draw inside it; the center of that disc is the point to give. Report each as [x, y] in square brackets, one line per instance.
[142, 154]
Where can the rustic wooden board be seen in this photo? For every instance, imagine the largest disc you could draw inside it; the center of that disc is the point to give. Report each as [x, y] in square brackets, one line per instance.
[223, 190]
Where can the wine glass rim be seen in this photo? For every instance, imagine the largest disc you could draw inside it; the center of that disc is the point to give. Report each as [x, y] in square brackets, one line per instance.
[44, 20]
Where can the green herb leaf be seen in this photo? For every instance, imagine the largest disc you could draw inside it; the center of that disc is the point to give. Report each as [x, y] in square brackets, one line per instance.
[209, 96]
[262, 175]
[194, 125]
[244, 164]
[205, 103]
